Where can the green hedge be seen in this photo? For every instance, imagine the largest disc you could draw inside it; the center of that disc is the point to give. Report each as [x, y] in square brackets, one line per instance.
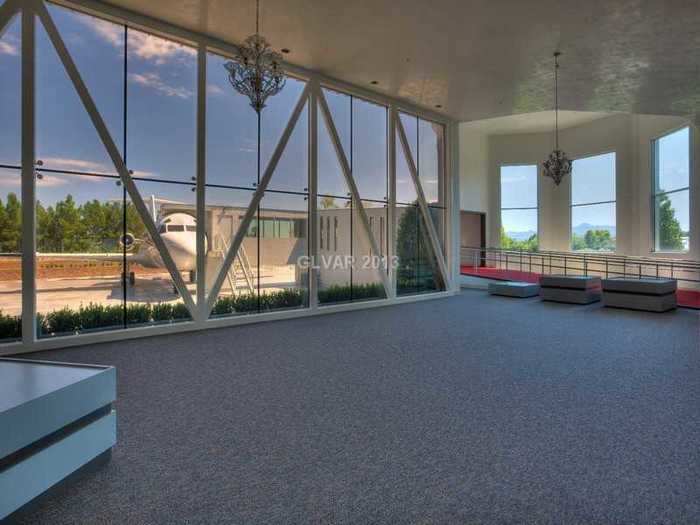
[248, 303]
[10, 326]
[97, 316]
[344, 293]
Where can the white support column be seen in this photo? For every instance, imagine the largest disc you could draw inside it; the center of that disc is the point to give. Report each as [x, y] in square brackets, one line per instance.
[432, 234]
[313, 191]
[345, 167]
[257, 197]
[391, 221]
[7, 12]
[28, 181]
[452, 211]
[103, 132]
[201, 180]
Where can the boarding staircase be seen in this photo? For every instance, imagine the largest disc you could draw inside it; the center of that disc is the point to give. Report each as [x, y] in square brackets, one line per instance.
[240, 269]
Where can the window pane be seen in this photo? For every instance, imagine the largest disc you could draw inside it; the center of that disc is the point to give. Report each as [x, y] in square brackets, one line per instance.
[161, 84]
[339, 106]
[331, 180]
[593, 227]
[519, 186]
[416, 265]
[437, 214]
[10, 255]
[410, 127]
[366, 279]
[97, 48]
[671, 221]
[231, 130]
[65, 136]
[151, 286]
[10, 100]
[292, 171]
[275, 117]
[334, 241]
[593, 179]
[431, 159]
[283, 277]
[369, 149]
[405, 188]
[225, 211]
[80, 259]
[672, 161]
[519, 229]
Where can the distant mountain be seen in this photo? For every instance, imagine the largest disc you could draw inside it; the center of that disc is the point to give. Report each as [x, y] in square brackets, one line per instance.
[581, 229]
[521, 236]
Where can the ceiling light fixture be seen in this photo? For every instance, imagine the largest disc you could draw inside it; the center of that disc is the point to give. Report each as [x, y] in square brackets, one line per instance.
[557, 165]
[255, 71]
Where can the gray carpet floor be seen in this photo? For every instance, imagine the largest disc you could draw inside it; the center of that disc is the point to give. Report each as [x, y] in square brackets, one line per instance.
[471, 409]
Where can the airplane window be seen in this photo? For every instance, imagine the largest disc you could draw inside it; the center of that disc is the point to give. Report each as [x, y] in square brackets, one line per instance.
[161, 229]
[176, 228]
[191, 228]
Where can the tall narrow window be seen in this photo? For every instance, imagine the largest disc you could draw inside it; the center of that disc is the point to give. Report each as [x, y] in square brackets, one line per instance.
[519, 207]
[671, 195]
[593, 222]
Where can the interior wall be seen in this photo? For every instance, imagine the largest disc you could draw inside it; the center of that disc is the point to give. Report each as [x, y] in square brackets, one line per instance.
[629, 136]
[473, 171]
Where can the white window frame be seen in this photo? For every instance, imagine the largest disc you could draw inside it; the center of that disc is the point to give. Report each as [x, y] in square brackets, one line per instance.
[572, 205]
[655, 193]
[537, 196]
[35, 11]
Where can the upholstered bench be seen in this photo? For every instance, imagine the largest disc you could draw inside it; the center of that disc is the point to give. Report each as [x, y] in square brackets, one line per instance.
[577, 289]
[652, 295]
[514, 289]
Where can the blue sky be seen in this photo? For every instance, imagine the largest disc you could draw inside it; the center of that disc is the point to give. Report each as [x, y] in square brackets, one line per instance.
[161, 77]
[161, 121]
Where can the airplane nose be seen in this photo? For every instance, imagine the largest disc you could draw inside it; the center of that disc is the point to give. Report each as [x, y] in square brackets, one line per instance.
[183, 251]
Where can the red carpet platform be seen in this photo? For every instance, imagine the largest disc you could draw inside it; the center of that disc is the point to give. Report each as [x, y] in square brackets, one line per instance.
[686, 298]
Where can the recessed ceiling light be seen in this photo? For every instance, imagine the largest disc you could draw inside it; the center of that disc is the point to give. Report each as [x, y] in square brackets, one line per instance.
[374, 82]
[285, 50]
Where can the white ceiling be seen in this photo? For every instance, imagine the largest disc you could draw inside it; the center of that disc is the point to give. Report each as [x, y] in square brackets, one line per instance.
[478, 58]
[539, 122]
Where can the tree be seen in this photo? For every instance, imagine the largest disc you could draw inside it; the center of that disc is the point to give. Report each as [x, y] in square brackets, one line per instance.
[11, 225]
[669, 231]
[416, 260]
[597, 240]
[508, 243]
[327, 203]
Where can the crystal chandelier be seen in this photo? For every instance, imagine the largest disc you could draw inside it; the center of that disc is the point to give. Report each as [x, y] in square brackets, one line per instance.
[557, 166]
[255, 71]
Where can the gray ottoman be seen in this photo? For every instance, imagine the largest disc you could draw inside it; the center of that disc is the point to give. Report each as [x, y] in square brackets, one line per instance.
[514, 289]
[576, 289]
[651, 295]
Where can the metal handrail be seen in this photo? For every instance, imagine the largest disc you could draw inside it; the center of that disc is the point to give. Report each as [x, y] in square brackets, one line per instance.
[547, 261]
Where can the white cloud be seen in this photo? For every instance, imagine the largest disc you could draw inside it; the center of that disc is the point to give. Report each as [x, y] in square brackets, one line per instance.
[65, 163]
[160, 50]
[140, 44]
[213, 89]
[153, 80]
[9, 182]
[9, 47]
[112, 33]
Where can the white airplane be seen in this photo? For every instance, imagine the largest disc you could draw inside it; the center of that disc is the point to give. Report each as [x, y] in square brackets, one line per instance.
[179, 233]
